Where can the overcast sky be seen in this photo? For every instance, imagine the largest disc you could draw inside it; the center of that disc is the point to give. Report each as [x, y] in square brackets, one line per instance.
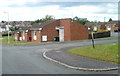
[21, 10]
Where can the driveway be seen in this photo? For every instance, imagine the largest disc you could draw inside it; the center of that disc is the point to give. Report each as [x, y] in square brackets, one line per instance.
[28, 59]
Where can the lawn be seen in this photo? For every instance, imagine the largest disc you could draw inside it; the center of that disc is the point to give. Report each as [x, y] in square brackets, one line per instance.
[13, 42]
[104, 52]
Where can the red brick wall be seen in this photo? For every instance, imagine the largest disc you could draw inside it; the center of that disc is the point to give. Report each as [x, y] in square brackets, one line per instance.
[78, 31]
[73, 30]
[112, 27]
[117, 25]
[99, 28]
[50, 30]
[103, 27]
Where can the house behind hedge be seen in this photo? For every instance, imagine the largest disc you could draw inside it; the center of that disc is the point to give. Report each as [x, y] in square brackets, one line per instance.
[108, 26]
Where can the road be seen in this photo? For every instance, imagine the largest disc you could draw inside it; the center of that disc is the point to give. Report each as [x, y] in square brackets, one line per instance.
[0, 59]
[29, 60]
[114, 33]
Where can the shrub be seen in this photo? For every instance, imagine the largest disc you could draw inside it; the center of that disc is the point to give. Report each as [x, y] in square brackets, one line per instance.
[6, 34]
[100, 34]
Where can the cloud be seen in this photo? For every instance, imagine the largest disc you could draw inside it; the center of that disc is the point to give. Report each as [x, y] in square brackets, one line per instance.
[34, 9]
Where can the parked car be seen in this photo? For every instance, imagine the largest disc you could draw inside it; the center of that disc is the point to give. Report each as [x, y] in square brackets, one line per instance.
[117, 29]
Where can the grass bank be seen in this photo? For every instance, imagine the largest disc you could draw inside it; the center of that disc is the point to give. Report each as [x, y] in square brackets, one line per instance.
[104, 52]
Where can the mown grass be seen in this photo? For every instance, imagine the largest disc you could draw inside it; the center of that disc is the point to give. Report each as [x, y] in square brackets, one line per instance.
[13, 42]
[104, 52]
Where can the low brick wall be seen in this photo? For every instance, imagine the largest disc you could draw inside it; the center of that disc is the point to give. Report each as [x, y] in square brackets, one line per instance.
[100, 35]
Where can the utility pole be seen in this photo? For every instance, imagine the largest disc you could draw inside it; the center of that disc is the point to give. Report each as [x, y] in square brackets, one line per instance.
[104, 19]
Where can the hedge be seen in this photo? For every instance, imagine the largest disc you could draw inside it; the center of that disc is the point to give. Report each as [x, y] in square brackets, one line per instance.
[100, 35]
[6, 34]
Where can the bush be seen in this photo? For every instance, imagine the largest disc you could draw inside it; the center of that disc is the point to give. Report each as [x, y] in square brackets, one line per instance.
[100, 34]
[100, 31]
[6, 34]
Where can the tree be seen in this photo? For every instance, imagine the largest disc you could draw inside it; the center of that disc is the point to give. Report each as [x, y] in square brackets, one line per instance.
[110, 19]
[46, 18]
[13, 28]
[49, 17]
[81, 20]
[2, 21]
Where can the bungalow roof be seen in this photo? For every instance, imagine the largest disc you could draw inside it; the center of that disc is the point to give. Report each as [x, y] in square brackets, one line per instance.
[40, 25]
[94, 24]
[24, 28]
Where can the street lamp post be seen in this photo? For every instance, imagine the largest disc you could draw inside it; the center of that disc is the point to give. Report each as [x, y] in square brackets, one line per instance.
[8, 28]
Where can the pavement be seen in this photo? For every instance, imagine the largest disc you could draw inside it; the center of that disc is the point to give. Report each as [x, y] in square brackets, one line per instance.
[62, 57]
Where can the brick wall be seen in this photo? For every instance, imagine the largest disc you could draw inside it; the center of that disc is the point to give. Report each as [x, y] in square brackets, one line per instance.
[103, 27]
[73, 30]
[78, 31]
[50, 30]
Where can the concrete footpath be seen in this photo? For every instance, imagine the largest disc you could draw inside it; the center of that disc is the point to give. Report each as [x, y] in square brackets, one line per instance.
[77, 62]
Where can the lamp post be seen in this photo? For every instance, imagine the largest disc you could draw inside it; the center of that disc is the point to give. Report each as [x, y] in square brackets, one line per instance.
[8, 27]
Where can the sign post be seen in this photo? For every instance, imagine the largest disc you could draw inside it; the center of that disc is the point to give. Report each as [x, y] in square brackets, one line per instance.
[92, 35]
[92, 39]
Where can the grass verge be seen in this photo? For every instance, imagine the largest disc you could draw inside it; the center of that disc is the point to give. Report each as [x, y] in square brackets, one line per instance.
[12, 42]
[104, 52]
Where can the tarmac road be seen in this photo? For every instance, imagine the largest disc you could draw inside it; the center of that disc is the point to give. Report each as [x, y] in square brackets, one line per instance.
[28, 59]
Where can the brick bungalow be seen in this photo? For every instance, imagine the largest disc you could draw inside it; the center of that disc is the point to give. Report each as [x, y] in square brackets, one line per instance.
[97, 26]
[112, 25]
[65, 29]
[23, 34]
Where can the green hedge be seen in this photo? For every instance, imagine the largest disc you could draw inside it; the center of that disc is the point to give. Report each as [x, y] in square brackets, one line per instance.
[6, 34]
[100, 31]
[100, 35]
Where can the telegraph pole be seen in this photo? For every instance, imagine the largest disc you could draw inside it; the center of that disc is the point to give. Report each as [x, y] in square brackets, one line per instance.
[104, 19]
